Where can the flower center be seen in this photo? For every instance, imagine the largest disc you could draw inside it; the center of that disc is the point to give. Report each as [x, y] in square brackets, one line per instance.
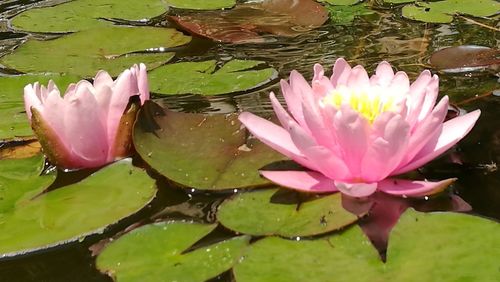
[369, 102]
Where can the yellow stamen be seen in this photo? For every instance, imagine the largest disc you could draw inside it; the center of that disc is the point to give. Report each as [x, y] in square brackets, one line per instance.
[368, 102]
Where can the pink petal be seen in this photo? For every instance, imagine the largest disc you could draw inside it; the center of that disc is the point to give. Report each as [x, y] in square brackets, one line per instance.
[321, 85]
[383, 74]
[51, 112]
[307, 181]
[387, 149]
[272, 135]
[426, 130]
[341, 72]
[358, 78]
[142, 81]
[31, 100]
[356, 189]
[293, 101]
[431, 94]
[453, 131]
[103, 78]
[284, 118]
[301, 89]
[417, 96]
[413, 188]
[352, 131]
[400, 83]
[85, 131]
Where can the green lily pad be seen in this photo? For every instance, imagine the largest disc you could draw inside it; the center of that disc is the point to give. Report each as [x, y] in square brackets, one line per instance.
[20, 179]
[14, 121]
[443, 11]
[158, 252]
[341, 2]
[75, 211]
[82, 56]
[206, 79]
[347, 14]
[256, 213]
[85, 14]
[422, 247]
[200, 151]
[201, 4]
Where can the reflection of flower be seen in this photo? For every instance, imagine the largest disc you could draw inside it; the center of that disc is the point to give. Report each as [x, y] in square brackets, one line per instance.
[91, 125]
[353, 131]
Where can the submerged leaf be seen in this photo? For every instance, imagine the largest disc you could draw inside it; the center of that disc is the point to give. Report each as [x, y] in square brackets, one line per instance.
[117, 50]
[271, 212]
[245, 22]
[347, 14]
[29, 223]
[203, 78]
[422, 247]
[465, 58]
[85, 14]
[161, 252]
[200, 151]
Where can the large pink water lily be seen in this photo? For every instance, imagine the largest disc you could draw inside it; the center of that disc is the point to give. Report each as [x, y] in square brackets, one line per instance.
[90, 126]
[353, 132]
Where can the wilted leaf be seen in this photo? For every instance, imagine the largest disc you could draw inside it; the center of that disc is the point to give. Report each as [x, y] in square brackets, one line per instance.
[465, 58]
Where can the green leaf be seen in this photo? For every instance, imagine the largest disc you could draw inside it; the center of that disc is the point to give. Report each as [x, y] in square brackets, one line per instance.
[159, 252]
[85, 14]
[200, 151]
[398, 1]
[443, 11]
[203, 77]
[347, 14]
[83, 57]
[263, 213]
[14, 121]
[201, 4]
[341, 2]
[20, 179]
[422, 247]
[75, 211]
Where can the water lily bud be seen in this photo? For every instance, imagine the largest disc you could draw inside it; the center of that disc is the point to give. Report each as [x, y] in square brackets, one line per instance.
[91, 124]
[353, 132]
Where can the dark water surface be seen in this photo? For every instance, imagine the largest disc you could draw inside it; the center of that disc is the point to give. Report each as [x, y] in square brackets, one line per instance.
[405, 44]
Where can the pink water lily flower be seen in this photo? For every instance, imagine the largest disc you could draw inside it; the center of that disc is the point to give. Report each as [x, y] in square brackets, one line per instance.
[91, 125]
[354, 132]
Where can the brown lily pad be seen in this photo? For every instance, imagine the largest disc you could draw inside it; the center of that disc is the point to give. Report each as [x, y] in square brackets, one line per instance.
[465, 58]
[246, 23]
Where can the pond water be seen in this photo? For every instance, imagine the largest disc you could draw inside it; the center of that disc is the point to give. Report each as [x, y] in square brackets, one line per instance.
[383, 35]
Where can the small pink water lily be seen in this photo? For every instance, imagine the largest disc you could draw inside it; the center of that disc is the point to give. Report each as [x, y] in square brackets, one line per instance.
[353, 131]
[91, 125]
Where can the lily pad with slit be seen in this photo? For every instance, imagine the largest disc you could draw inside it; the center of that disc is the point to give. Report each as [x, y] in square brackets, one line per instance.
[164, 252]
[284, 213]
[86, 14]
[118, 49]
[422, 247]
[210, 78]
[31, 221]
[209, 152]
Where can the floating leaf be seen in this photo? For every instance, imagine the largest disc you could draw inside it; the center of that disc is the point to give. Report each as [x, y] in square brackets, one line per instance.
[85, 14]
[20, 179]
[14, 121]
[465, 58]
[422, 247]
[200, 151]
[398, 1]
[158, 252]
[203, 77]
[245, 22]
[20, 148]
[71, 212]
[201, 4]
[346, 14]
[264, 213]
[83, 57]
[443, 11]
